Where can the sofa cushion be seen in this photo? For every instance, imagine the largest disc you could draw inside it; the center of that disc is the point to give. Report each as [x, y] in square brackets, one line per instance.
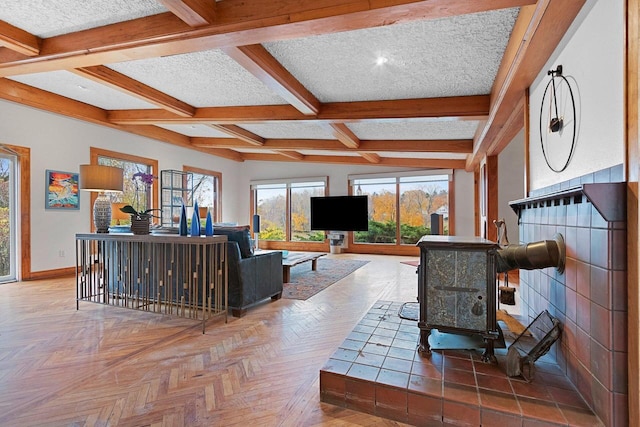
[239, 234]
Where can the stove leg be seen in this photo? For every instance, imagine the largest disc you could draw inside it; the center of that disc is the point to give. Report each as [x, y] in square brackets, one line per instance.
[488, 356]
[424, 349]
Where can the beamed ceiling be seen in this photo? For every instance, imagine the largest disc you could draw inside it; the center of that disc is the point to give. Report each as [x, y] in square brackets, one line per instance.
[436, 83]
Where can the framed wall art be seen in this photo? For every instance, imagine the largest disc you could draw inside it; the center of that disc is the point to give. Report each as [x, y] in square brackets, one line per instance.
[61, 191]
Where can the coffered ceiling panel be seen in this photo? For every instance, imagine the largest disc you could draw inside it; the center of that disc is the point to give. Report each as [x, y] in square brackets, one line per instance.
[423, 59]
[48, 18]
[415, 129]
[196, 130]
[84, 90]
[201, 79]
[284, 130]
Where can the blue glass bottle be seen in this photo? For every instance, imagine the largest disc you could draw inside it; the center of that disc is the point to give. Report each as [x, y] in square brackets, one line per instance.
[208, 227]
[195, 225]
[182, 225]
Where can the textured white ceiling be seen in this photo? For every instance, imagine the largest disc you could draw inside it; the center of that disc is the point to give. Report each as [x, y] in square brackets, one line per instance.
[328, 153]
[84, 90]
[196, 130]
[415, 129]
[288, 130]
[201, 79]
[48, 18]
[433, 58]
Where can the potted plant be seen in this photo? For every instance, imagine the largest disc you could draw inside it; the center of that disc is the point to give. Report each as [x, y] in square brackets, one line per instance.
[140, 218]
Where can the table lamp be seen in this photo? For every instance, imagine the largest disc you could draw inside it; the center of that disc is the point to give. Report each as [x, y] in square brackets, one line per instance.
[101, 179]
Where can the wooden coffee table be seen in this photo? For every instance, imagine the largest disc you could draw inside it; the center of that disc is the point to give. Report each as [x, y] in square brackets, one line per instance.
[296, 258]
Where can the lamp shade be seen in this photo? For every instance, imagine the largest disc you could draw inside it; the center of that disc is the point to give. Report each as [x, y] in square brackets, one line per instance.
[100, 178]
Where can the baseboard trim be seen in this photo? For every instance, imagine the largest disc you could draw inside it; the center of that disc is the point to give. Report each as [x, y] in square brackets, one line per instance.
[52, 274]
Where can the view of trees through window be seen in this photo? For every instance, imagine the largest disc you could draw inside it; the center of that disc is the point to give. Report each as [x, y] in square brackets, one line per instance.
[6, 238]
[135, 193]
[286, 207]
[205, 192]
[407, 201]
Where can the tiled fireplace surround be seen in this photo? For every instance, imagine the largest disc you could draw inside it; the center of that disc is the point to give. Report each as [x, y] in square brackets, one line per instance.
[589, 299]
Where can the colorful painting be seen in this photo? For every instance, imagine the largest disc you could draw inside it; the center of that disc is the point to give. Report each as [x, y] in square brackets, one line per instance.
[62, 190]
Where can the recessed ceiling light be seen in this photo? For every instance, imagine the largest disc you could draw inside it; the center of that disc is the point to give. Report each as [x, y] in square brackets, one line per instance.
[380, 60]
[82, 87]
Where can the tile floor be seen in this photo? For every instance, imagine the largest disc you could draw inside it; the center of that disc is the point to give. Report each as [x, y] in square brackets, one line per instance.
[378, 370]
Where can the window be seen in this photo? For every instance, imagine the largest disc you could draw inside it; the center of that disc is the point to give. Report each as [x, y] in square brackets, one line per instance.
[8, 235]
[135, 193]
[401, 205]
[285, 209]
[206, 190]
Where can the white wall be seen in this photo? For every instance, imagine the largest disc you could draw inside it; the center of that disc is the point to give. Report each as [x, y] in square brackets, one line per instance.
[61, 143]
[465, 203]
[592, 54]
[511, 184]
[338, 184]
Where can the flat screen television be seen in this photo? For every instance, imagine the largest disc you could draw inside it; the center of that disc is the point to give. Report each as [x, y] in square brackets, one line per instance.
[340, 213]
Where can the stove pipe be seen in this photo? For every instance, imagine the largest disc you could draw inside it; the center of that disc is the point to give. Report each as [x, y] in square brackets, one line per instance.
[533, 256]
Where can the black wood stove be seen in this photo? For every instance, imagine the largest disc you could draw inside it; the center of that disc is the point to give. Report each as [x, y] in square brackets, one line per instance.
[457, 289]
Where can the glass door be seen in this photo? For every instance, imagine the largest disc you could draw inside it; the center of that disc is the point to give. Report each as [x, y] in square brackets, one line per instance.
[8, 212]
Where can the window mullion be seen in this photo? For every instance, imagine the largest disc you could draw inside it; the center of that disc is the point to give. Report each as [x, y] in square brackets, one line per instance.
[398, 233]
[287, 219]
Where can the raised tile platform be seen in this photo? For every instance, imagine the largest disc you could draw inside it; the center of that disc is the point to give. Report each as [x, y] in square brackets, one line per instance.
[378, 370]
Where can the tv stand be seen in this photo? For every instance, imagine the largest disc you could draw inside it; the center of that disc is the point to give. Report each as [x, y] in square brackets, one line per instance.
[335, 242]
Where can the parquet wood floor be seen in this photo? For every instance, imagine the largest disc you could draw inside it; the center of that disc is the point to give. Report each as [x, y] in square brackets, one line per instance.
[108, 366]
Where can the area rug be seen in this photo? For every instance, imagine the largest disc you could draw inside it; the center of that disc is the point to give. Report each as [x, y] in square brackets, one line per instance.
[305, 282]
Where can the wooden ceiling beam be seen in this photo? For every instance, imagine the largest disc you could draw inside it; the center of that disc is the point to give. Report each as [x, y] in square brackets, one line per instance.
[357, 160]
[238, 23]
[474, 107]
[345, 135]
[292, 154]
[215, 115]
[27, 95]
[462, 146]
[194, 13]
[122, 83]
[459, 146]
[19, 40]
[259, 62]
[371, 157]
[513, 125]
[47, 101]
[240, 133]
[459, 107]
[535, 36]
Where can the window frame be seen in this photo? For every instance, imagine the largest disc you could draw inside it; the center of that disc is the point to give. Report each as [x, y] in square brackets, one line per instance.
[217, 200]
[288, 243]
[399, 248]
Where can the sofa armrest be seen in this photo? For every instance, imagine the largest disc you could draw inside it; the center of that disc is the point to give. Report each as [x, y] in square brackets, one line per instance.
[254, 278]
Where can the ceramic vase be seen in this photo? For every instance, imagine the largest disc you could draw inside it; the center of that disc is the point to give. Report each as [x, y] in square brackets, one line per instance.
[208, 227]
[182, 225]
[195, 225]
